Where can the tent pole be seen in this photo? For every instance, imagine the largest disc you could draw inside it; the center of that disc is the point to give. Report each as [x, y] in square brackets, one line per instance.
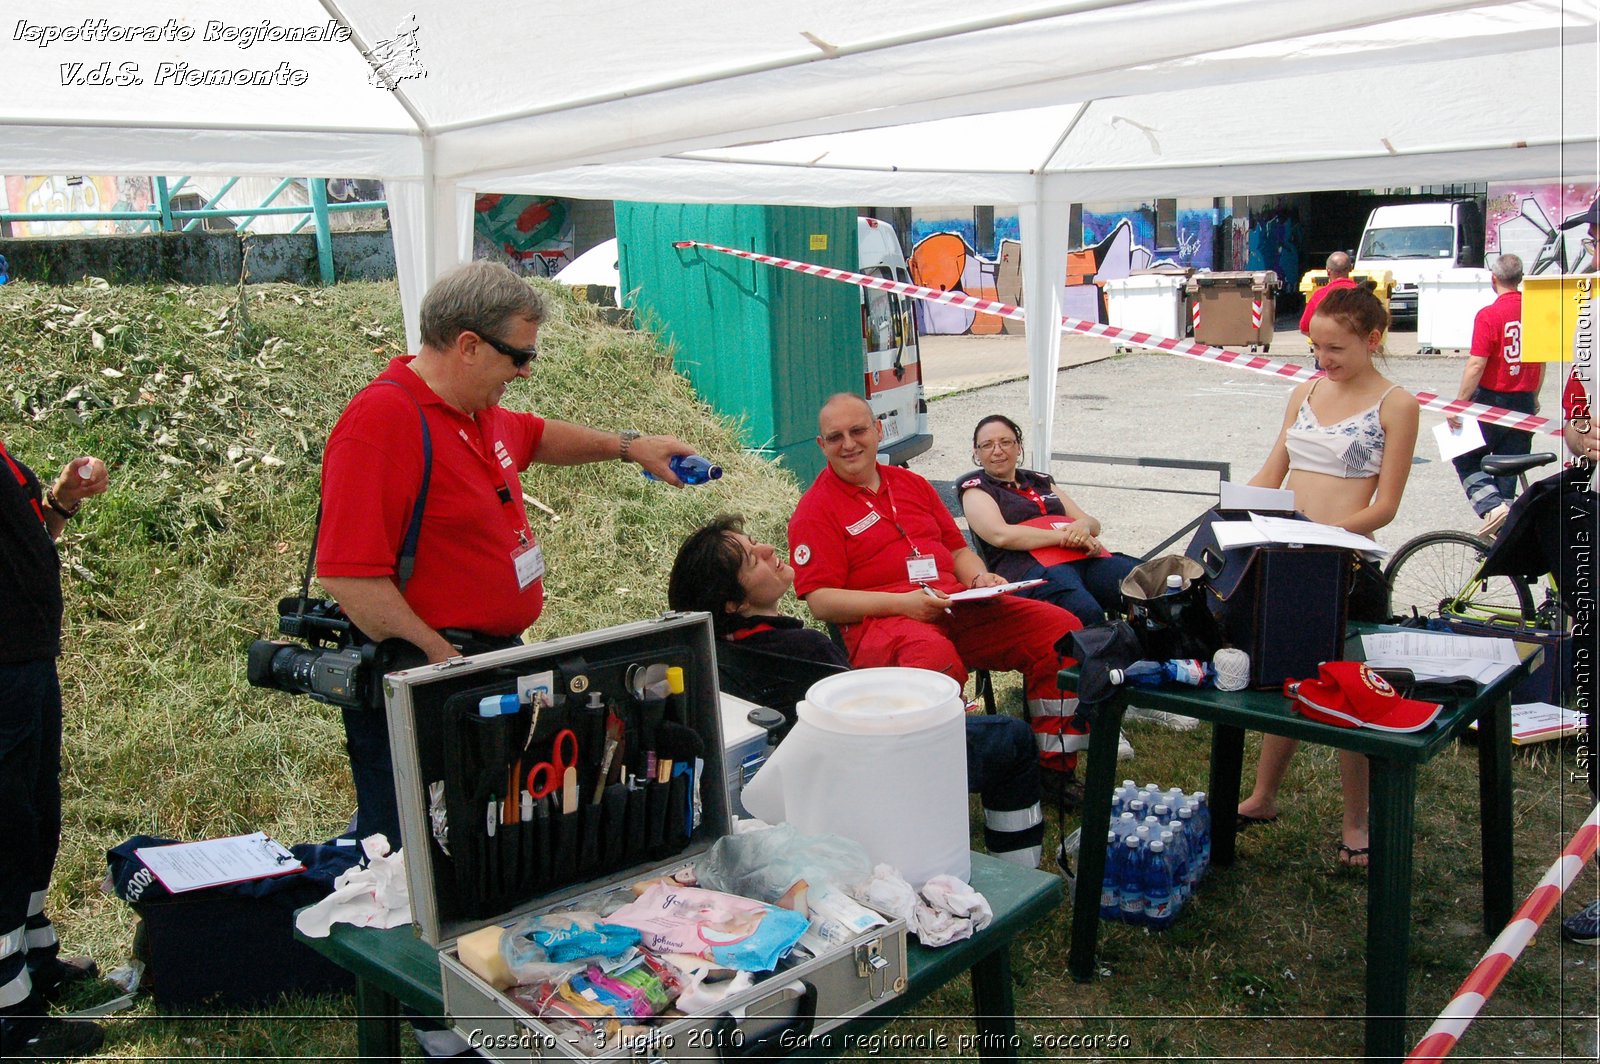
[1043, 223]
[319, 214]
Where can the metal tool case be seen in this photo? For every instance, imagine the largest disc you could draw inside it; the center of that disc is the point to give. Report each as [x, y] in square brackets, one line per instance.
[441, 743]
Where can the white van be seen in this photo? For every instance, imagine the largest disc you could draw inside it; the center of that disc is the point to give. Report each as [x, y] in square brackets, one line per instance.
[889, 337]
[1413, 239]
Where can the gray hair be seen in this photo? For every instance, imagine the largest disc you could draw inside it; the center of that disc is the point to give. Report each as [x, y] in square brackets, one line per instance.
[1507, 269]
[478, 295]
[1339, 264]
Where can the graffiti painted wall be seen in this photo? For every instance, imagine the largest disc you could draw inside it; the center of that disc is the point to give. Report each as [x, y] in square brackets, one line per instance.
[529, 233]
[76, 193]
[1524, 219]
[1114, 243]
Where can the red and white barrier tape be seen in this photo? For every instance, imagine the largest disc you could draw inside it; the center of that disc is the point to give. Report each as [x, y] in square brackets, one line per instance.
[1507, 946]
[1489, 415]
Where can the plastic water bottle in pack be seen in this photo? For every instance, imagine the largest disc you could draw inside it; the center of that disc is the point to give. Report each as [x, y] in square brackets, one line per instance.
[1130, 882]
[1157, 879]
[1191, 671]
[1191, 842]
[1202, 816]
[1178, 850]
[1123, 826]
[1110, 892]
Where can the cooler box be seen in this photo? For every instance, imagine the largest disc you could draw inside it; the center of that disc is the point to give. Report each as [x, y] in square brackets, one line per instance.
[1447, 303]
[1551, 310]
[744, 747]
[452, 766]
[1147, 302]
[1233, 309]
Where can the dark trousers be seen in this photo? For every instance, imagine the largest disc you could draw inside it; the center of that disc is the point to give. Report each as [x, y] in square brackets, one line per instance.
[1086, 589]
[30, 826]
[1483, 491]
[366, 737]
[1003, 768]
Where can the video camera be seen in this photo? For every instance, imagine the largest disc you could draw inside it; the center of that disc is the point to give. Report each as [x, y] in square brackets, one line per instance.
[340, 665]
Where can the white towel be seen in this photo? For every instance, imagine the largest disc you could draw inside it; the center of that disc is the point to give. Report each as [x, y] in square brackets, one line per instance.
[370, 895]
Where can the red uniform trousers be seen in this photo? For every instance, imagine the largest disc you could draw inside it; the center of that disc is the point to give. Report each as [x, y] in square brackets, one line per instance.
[1006, 632]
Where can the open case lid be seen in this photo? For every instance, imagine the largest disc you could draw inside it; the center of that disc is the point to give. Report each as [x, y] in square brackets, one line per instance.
[416, 706]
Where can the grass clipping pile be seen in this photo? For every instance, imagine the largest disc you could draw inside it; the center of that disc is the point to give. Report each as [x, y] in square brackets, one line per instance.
[211, 407]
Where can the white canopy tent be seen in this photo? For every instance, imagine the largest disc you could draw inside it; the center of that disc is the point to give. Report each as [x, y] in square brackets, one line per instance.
[1023, 102]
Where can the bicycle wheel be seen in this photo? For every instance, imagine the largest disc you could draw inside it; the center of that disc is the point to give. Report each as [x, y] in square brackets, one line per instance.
[1436, 574]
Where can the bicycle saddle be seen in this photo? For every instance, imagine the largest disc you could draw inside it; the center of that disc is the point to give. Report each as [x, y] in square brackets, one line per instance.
[1505, 465]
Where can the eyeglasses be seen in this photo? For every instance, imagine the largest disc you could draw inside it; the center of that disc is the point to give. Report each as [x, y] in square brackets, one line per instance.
[992, 446]
[519, 356]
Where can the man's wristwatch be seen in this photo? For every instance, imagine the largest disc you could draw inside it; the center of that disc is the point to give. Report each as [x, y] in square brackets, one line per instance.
[628, 436]
[54, 503]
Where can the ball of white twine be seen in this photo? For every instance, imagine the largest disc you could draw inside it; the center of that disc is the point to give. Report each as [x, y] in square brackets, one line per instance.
[1233, 669]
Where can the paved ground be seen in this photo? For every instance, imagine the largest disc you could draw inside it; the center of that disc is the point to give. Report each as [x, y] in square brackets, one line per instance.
[1164, 406]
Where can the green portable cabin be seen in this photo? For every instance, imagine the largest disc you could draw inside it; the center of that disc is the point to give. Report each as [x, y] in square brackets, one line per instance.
[759, 343]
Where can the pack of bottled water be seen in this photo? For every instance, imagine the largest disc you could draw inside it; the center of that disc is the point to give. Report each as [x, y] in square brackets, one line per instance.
[1157, 851]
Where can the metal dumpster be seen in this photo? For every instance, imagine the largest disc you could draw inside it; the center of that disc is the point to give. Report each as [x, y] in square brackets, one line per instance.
[1233, 309]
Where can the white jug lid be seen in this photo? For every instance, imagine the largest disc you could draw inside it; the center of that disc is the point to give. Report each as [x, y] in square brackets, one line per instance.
[881, 701]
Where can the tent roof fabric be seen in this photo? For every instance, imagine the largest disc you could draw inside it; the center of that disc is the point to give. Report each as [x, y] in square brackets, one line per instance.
[1036, 103]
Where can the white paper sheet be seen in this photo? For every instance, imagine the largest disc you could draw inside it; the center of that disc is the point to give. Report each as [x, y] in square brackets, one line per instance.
[1440, 655]
[214, 862]
[1284, 530]
[1231, 496]
[1458, 441]
[976, 593]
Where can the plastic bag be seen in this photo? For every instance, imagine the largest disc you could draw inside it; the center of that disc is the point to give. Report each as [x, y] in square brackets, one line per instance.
[765, 864]
[553, 947]
[736, 932]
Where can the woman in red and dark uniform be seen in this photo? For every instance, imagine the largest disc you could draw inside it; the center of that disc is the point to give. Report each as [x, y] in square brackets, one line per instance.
[1028, 530]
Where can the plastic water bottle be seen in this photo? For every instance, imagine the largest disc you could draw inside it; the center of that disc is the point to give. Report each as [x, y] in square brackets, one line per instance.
[1131, 881]
[1157, 888]
[1110, 895]
[1191, 840]
[1123, 826]
[1191, 671]
[1161, 811]
[691, 469]
[1182, 860]
[1137, 808]
[1202, 816]
[1174, 584]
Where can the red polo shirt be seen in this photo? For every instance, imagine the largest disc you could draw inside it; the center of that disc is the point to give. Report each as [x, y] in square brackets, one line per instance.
[1497, 336]
[844, 536]
[474, 520]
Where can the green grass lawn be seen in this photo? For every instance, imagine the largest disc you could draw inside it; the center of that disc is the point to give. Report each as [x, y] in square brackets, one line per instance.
[211, 408]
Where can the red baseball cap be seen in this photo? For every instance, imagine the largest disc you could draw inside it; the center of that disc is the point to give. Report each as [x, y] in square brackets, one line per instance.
[1048, 556]
[1347, 694]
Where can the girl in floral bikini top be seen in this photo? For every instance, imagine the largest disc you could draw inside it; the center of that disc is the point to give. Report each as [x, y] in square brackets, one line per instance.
[1345, 450]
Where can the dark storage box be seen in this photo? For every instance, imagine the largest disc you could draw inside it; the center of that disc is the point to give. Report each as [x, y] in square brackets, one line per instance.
[209, 950]
[1283, 604]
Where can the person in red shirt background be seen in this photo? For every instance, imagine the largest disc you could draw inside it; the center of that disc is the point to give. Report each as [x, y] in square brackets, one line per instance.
[1496, 376]
[1339, 266]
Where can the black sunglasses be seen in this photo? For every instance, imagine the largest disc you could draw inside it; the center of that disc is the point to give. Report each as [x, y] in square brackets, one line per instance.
[519, 356]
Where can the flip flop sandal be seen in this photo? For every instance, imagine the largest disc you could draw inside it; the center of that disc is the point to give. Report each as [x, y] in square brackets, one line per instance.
[1243, 822]
[1348, 855]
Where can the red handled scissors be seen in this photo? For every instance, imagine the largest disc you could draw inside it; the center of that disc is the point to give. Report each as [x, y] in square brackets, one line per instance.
[546, 776]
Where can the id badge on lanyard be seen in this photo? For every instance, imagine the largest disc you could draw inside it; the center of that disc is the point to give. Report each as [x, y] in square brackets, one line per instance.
[528, 560]
[921, 567]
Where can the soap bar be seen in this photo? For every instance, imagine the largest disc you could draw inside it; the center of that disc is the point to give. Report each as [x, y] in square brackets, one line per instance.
[480, 952]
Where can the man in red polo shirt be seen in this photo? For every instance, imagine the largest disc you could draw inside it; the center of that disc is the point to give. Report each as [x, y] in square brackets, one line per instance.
[1496, 375]
[1339, 266]
[478, 568]
[876, 552]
